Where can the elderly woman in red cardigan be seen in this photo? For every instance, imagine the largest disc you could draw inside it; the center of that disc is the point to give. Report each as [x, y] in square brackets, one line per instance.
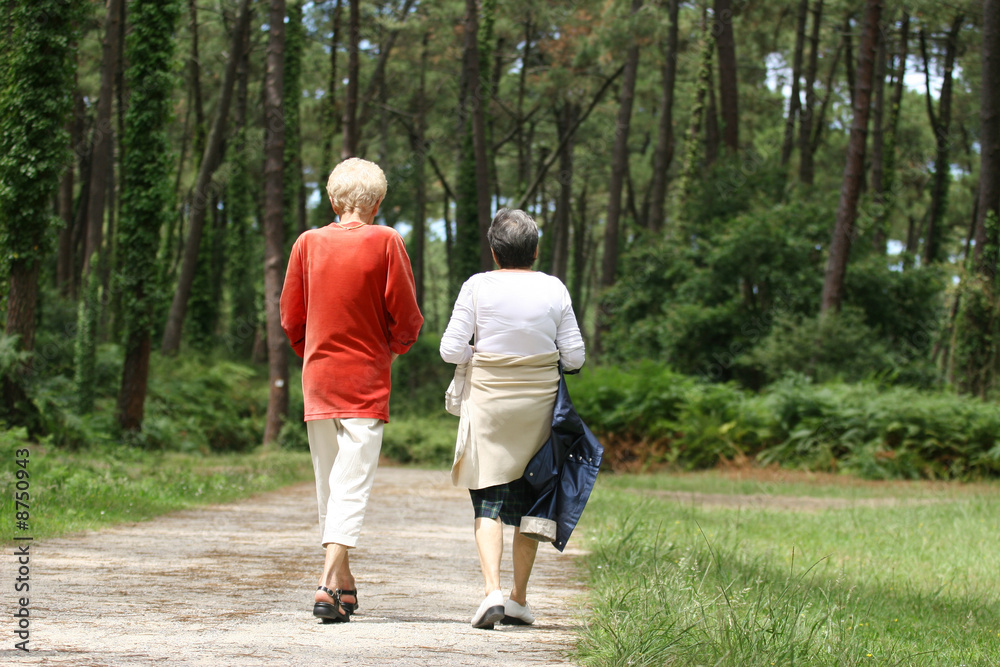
[349, 308]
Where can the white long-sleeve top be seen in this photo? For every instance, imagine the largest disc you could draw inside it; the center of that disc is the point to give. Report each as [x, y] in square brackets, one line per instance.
[513, 312]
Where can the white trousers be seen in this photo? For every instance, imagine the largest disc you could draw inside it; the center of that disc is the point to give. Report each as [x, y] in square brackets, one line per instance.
[344, 455]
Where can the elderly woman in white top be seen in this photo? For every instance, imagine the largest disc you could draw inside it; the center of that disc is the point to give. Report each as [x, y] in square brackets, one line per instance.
[523, 325]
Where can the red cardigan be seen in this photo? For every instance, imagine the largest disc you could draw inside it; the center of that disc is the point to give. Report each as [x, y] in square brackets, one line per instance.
[347, 303]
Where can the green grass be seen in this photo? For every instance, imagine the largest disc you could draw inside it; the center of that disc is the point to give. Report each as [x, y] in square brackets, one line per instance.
[780, 482]
[97, 486]
[676, 583]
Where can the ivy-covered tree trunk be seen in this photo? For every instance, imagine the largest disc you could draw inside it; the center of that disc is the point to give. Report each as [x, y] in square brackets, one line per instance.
[202, 195]
[274, 249]
[854, 167]
[147, 195]
[692, 144]
[974, 359]
[35, 99]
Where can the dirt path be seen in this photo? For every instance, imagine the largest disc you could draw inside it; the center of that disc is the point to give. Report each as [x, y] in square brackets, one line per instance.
[233, 585]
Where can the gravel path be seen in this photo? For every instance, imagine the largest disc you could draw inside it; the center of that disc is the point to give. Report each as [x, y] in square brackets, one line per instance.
[233, 585]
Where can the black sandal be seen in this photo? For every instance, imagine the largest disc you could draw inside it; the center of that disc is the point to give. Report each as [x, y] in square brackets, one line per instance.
[349, 607]
[330, 613]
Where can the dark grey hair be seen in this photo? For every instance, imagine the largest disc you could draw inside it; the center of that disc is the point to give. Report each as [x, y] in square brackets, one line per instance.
[513, 237]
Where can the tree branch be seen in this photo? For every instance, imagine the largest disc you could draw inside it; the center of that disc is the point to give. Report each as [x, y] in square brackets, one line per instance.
[526, 197]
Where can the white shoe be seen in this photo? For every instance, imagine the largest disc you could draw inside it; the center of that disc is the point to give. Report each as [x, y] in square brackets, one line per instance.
[490, 611]
[516, 614]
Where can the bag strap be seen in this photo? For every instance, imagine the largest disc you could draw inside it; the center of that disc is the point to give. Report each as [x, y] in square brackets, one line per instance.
[475, 314]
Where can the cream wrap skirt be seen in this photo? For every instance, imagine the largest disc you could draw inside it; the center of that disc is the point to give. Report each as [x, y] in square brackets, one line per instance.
[506, 417]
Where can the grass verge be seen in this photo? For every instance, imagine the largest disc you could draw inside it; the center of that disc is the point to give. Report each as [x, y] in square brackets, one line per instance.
[96, 486]
[685, 584]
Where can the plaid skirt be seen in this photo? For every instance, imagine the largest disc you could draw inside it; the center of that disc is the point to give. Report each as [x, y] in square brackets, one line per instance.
[509, 501]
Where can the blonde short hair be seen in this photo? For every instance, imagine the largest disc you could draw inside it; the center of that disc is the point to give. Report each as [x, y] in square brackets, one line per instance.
[356, 185]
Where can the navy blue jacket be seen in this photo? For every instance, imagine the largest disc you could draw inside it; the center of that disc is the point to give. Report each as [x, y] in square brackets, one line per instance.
[564, 470]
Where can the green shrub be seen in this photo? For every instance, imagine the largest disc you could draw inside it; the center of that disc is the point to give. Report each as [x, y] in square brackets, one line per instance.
[420, 378]
[649, 415]
[294, 435]
[832, 346]
[420, 440]
[195, 403]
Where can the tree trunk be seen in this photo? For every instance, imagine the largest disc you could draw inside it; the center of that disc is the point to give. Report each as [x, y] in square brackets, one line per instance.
[135, 381]
[849, 56]
[878, 118]
[987, 241]
[146, 202]
[419, 146]
[22, 301]
[194, 65]
[202, 195]
[692, 143]
[850, 191]
[619, 164]
[794, 101]
[350, 121]
[941, 124]
[331, 119]
[241, 205]
[712, 136]
[807, 171]
[110, 244]
[120, 92]
[728, 94]
[64, 261]
[376, 82]
[884, 195]
[523, 159]
[664, 153]
[35, 100]
[820, 121]
[79, 242]
[580, 227]
[475, 105]
[274, 252]
[566, 116]
[292, 92]
[103, 136]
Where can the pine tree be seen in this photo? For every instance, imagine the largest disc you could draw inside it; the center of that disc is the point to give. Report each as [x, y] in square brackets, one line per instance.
[147, 194]
[35, 99]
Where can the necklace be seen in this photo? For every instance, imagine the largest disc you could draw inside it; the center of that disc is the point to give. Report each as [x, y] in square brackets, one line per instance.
[357, 226]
